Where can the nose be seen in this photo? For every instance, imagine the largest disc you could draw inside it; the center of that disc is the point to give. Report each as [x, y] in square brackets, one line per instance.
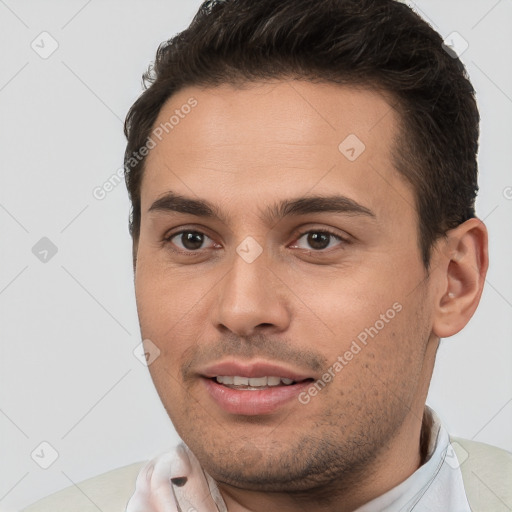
[252, 297]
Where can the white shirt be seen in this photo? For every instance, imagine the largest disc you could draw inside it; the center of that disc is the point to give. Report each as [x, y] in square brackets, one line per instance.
[436, 486]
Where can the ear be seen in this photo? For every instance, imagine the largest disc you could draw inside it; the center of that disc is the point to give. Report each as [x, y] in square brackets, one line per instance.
[464, 267]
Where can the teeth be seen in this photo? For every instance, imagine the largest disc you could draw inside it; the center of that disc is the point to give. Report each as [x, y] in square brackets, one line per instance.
[253, 382]
[260, 381]
[225, 380]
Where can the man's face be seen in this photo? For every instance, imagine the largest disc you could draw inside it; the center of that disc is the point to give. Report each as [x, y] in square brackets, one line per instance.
[336, 301]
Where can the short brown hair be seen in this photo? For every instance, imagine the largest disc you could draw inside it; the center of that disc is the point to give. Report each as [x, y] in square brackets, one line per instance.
[381, 44]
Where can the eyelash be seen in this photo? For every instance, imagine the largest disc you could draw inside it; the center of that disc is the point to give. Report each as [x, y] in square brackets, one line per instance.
[168, 239]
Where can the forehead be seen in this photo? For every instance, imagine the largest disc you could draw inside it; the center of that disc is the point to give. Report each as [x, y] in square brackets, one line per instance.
[261, 140]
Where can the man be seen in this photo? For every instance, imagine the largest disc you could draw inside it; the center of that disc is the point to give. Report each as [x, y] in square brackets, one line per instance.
[303, 177]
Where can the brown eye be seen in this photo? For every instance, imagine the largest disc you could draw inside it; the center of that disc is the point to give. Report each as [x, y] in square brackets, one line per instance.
[318, 240]
[188, 240]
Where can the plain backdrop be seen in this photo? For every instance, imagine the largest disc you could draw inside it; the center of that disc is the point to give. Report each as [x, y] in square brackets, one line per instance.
[68, 374]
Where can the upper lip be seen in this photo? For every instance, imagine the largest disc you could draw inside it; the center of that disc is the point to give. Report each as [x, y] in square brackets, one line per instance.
[251, 369]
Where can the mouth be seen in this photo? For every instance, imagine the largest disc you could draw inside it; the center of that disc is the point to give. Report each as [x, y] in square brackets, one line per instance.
[253, 389]
[254, 383]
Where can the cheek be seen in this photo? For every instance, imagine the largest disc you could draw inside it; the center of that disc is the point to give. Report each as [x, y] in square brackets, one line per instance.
[172, 309]
[378, 368]
[157, 305]
[393, 344]
[344, 304]
[367, 324]
[159, 297]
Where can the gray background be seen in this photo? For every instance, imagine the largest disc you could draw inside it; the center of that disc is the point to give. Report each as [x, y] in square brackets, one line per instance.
[68, 375]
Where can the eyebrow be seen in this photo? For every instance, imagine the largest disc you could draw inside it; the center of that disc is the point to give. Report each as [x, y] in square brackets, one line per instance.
[173, 202]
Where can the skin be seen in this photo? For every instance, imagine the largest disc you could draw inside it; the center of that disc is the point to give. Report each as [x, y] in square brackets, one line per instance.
[243, 149]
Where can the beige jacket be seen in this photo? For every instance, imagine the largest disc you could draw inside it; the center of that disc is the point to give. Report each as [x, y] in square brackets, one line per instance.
[486, 472]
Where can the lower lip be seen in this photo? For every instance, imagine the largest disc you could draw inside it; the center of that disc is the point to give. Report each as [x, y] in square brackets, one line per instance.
[253, 403]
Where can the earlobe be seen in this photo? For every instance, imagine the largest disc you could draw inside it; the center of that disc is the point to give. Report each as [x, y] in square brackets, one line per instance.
[465, 267]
